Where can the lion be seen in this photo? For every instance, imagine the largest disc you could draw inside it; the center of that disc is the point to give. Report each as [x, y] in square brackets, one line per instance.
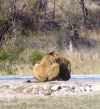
[52, 67]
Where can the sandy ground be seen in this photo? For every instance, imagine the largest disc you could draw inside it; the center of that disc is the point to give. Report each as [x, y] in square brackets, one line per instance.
[10, 89]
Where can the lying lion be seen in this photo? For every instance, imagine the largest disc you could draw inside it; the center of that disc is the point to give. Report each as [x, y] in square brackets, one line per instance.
[51, 67]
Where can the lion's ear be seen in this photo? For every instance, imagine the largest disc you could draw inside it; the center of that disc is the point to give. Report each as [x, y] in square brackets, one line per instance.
[51, 53]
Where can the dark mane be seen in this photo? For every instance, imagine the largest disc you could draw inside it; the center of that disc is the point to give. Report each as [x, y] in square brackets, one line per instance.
[51, 53]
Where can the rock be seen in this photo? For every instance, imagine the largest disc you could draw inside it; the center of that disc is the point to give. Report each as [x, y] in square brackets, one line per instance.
[81, 89]
[56, 87]
[73, 87]
[51, 88]
[47, 92]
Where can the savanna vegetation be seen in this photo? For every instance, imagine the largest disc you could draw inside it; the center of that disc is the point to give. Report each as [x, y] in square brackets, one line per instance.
[31, 28]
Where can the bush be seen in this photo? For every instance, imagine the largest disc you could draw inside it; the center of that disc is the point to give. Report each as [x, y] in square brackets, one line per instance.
[7, 56]
[36, 56]
[3, 56]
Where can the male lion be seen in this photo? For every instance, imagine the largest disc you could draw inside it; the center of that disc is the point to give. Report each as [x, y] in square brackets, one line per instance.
[52, 67]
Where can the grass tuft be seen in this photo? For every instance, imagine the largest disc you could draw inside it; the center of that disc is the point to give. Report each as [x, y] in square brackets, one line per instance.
[7, 56]
[36, 56]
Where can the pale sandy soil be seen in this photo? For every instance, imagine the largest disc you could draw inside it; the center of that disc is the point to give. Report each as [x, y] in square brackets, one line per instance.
[12, 89]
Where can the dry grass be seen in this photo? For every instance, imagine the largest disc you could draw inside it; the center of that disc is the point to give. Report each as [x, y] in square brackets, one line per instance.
[80, 64]
[94, 34]
[83, 63]
[68, 102]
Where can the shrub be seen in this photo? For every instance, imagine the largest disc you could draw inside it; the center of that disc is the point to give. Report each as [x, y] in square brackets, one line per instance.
[3, 56]
[7, 56]
[36, 56]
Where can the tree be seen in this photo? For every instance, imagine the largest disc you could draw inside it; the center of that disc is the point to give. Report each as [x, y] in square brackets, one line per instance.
[84, 11]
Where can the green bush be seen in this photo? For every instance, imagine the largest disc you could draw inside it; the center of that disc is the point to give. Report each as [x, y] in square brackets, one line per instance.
[7, 56]
[3, 56]
[36, 56]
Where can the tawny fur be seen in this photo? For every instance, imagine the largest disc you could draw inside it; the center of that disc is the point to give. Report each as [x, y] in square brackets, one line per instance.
[52, 66]
[47, 69]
